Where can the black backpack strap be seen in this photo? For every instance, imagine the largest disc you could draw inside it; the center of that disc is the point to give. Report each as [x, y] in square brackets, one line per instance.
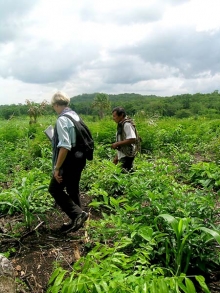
[84, 140]
[79, 126]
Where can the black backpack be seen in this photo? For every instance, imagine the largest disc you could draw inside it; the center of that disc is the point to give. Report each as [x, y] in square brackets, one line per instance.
[84, 140]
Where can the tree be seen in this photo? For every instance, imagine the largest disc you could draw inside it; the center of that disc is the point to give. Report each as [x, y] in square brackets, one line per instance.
[183, 113]
[35, 110]
[101, 103]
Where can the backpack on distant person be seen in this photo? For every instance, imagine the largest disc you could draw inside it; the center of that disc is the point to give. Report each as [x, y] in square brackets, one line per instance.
[84, 139]
[129, 150]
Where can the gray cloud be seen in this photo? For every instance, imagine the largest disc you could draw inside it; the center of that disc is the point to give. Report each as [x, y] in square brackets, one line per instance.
[125, 15]
[11, 14]
[45, 64]
[11, 8]
[185, 49]
[132, 69]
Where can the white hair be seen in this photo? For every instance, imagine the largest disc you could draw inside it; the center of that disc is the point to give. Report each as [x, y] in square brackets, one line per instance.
[60, 98]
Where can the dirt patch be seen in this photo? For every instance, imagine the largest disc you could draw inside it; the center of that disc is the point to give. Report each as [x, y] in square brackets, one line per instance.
[35, 255]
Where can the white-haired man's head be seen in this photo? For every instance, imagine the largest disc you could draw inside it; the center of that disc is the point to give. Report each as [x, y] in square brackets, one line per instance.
[60, 98]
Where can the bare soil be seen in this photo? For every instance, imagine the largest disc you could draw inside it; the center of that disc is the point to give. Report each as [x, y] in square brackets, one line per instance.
[35, 253]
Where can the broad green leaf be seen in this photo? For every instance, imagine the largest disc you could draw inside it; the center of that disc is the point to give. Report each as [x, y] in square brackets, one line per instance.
[8, 203]
[59, 278]
[183, 287]
[180, 228]
[171, 220]
[104, 285]
[54, 275]
[41, 187]
[214, 234]
[202, 283]
[190, 286]
[133, 234]
[154, 287]
[163, 286]
[146, 233]
[98, 288]
[71, 288]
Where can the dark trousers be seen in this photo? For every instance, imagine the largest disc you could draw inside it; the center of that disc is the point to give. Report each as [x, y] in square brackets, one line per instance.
[127, 163]
[66, 193]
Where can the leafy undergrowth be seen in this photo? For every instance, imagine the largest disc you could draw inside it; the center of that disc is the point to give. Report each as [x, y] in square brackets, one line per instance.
[153, 230]
[37, 253]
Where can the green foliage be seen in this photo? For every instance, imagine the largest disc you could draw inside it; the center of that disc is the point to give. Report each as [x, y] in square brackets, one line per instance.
[101, 103]
[25, 199]
[179, 106]
[157, 224]
[206, 175]
[35, 110]
[183, 113]
[106, 269]
[12, 130]
[103, 132]
[9, 252]
[178, 241]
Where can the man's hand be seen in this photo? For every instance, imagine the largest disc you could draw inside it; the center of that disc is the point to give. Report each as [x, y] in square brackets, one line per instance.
[114, 145]
[58, 177]
[119, 144]
[115, 161]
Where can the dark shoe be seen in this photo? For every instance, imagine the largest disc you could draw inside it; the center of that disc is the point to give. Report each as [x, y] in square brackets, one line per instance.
[67, 226]
[77, 223]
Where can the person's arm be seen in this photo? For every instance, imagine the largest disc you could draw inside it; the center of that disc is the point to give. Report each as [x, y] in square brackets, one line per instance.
[64, 145]
[117, 144]
[130, 137]
[61, 158]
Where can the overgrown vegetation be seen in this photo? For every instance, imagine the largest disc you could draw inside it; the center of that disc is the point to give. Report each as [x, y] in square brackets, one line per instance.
[159, 226]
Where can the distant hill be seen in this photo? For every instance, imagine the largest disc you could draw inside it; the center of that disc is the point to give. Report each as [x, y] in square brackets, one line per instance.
[126, 97]
[181, 106]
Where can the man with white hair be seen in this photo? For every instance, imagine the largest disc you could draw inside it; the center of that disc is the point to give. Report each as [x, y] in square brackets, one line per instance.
[68, 164]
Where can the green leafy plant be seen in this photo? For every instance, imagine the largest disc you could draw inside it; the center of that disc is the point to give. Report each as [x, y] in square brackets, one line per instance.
[177, 246]
[205, 174]
[20, 199]
[106, 269]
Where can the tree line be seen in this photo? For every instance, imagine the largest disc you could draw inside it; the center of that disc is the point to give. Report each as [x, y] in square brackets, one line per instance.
[100, 104]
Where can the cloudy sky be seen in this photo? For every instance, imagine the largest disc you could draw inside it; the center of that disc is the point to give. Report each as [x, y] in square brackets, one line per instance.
[160, 47]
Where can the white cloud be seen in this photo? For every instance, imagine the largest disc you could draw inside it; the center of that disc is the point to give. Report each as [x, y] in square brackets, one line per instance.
[203, 14]
[162, 47]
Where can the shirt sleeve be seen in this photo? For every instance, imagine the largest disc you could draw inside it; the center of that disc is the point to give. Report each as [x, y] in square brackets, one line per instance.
[129, 131]
[66, 133]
